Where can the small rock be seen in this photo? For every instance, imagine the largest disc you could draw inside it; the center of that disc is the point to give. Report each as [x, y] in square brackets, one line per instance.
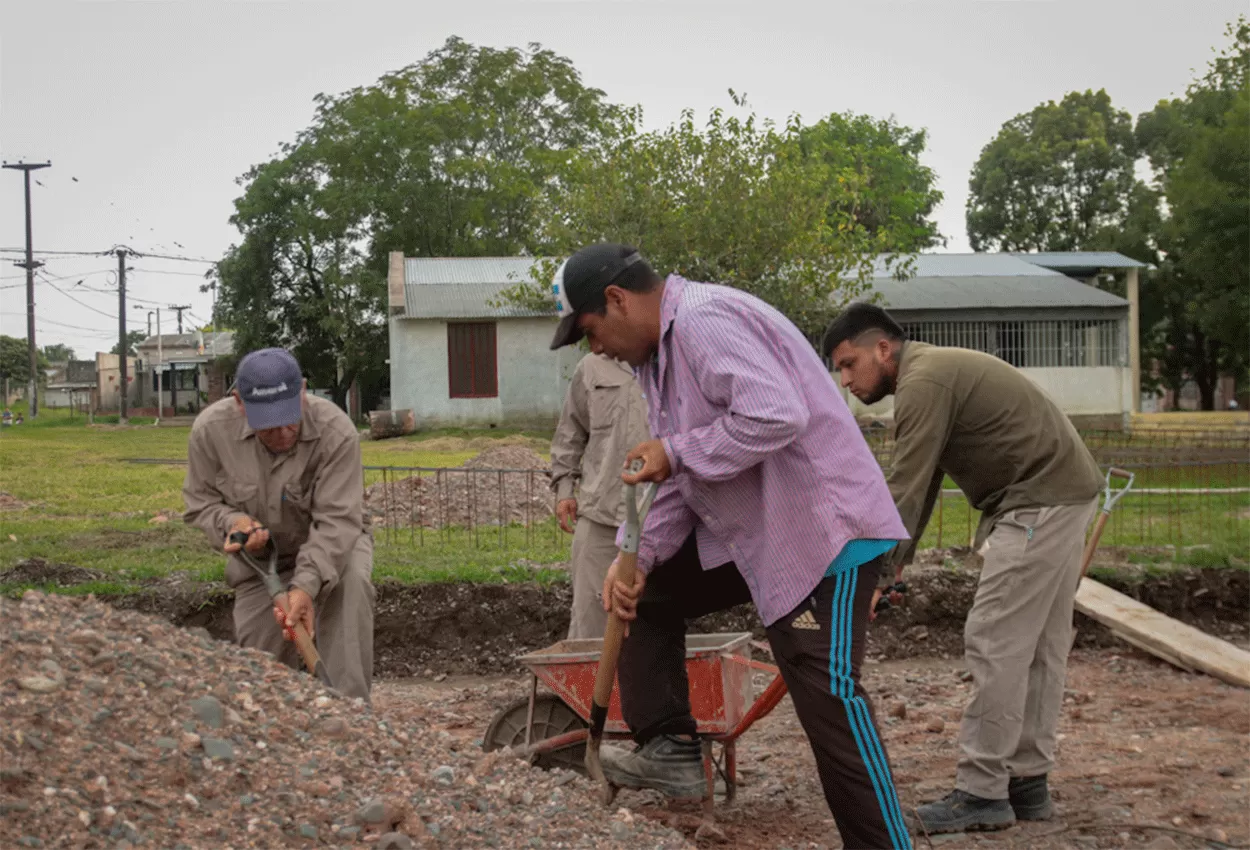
[443, 775]
[394, 841]
[708, 831]
[233, 718]
[440, 677]
[52, 670]
[1162, 842]
[95, 686]
[40, 685]
[322, 701]
[307, 830]
[216, 748]
[166, 743]
[622, 832]
[191, 800]
[429, 674]
[1085, 841]
[335, 727]
[1228, 772]
[899, 710]
[1218, 835]
[935, 724]
[208, 709]
[190, 740]
[371, 812]
[130, 752]
[30, 841]
[349, 832]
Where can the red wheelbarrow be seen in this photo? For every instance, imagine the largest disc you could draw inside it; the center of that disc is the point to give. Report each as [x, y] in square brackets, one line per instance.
[551, 729]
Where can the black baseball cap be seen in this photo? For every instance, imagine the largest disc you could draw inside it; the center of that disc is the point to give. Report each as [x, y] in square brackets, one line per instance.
[581, 278]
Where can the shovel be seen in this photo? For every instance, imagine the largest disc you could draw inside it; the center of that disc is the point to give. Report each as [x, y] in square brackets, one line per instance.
[626, 567]
[273, 584]
[1108, 502]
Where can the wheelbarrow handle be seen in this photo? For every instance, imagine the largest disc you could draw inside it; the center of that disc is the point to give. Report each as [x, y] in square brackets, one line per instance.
[273, 584]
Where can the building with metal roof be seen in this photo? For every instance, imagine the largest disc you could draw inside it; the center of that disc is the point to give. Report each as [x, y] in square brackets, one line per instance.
[1031, 310]
[461, 356]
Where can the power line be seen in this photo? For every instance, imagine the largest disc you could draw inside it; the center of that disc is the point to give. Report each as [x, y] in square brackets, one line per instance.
[175, 257]
[109, 334]
[59, 253]
[76, 301]
[161, 271]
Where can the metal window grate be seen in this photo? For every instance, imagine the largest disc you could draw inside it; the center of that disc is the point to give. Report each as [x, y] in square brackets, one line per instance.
[1031, 344]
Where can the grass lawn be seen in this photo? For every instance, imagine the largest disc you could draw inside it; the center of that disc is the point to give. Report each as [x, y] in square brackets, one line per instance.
[84, 502]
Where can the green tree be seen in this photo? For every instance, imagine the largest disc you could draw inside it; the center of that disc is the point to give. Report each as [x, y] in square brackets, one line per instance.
[896, 194]
[1197, 147]
[446, 157]
[133, 338]
[735, 201]
[15, 361]
[1057, 178]
[58, 353]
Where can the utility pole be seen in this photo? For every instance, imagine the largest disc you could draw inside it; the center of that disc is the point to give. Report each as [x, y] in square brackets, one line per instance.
[121, 330]
[160, 370]
[149, 322]
[30, 265]
[179, 311]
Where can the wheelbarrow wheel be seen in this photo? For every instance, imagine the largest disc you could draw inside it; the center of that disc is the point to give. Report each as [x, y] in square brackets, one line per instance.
[552, 717]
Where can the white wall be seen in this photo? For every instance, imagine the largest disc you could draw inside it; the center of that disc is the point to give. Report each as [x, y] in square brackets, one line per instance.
[532, 378]
[1079, 391]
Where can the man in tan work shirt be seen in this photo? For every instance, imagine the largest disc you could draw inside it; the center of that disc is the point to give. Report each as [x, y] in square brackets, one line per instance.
[283, 466]
[1020, 461]
[604, 417]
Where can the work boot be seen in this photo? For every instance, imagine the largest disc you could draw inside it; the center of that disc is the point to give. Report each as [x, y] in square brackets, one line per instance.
[960, 811]
[1030, 797]
[670, 764]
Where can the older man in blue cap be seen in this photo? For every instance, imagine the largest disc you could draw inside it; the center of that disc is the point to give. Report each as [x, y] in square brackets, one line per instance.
[283, 467]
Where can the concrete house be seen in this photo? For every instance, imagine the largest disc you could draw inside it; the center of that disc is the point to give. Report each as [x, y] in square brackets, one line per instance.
[457, 360]
[1039, 312]
[191, 368]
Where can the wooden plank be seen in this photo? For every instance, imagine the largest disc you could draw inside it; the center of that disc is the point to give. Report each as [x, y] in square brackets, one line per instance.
[1156, 633]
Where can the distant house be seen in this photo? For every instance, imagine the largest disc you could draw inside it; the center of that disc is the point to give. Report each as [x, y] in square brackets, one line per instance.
[70, 384]
[457, 360]
[193, 369]
[1039, 312]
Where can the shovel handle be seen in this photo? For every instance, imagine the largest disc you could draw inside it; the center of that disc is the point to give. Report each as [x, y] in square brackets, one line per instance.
[303, 640]
[1109, 502]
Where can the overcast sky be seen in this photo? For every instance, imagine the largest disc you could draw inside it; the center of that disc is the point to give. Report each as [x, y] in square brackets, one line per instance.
[157, 107]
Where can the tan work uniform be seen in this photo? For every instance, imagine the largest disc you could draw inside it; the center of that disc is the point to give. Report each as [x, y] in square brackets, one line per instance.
[1021, 462]
[604, 417]
[311, 500]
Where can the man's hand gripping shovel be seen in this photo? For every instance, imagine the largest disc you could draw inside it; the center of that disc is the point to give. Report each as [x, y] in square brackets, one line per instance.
[273, 584]
[626, 567]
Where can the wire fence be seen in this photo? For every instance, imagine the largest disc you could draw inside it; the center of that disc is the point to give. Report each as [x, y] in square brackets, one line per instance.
[1186, 494]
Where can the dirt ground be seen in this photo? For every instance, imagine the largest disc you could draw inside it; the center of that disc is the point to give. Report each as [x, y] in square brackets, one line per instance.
[1150, 756]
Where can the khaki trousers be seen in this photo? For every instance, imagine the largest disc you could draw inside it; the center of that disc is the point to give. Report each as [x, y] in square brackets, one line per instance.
[594, 548]
[1016, 643]
[344, 630]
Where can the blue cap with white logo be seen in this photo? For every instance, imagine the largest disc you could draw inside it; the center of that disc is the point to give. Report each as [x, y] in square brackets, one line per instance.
[270, 383]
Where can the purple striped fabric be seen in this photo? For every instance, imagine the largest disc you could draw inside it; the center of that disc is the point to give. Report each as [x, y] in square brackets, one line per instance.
[770, 469]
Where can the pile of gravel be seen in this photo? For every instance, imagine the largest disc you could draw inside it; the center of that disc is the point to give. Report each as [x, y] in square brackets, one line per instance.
[512, 482]
[123, 731]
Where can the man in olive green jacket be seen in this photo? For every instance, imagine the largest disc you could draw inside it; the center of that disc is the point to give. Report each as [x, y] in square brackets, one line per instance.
[1020, 461]
[604, 417]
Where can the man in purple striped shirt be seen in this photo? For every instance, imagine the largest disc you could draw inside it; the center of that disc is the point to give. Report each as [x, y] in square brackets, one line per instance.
[769, 493]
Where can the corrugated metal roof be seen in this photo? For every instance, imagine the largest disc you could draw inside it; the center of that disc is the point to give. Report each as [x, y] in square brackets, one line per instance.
[427, 271]
[968, 292]
[1069, 260]
[220, 342]
[462, 301]
[966, 265]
